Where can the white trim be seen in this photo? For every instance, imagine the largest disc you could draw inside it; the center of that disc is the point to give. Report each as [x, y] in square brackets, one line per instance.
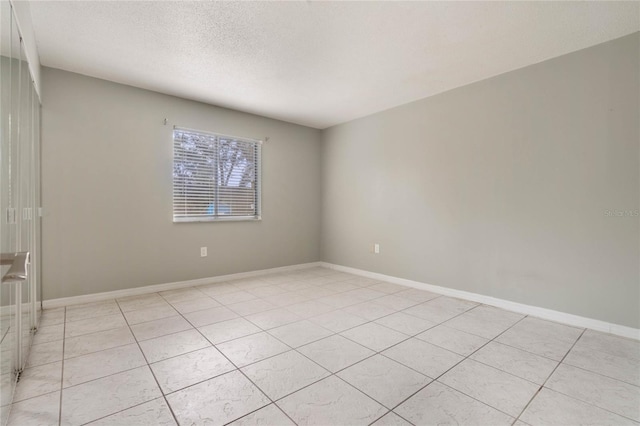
[98, 297]
[549, 314]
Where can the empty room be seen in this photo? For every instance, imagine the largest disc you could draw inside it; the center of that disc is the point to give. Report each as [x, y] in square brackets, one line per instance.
[324, 213]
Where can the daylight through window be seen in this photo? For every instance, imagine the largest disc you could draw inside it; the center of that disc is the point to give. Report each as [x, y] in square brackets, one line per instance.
[215, 177]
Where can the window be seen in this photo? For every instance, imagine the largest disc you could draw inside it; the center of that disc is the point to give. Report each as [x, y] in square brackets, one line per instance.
[215, 177]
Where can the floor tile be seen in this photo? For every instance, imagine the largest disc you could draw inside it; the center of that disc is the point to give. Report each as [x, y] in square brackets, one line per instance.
[52, 317]
[273, 318]
[217, 401]
[283, 374]
[251, 307]
[187, 306]
[331, 402]
[417, 295]
[391, 419]
[361, 281]
[185, 370]
[335, 352]
[503, 391]
[270, 415]
[99, 398]
[267, 291]
[338, 321]
[45, 353]
[90, 310]
[603, 392]
[210, 316]
[319, 281]
[300, 333]
[553, 408]
[369, 310]
[101, 364]
[41, 410]
[365, 294]
[93, 325]
[286, 299]
[99, 341]
[438, 404]
[38, 381]
[249, 349]
[172, 345]
[440, 309]
[598, 382]
[315, 292]
[340, 300]
[295, 285]
[153, 413]
[142, 301]
[217, 289]
[404, 323]
[228, 330]
[161, 327]
[541, 337]
[150, 314]
[388, 288]
[374, 336]
[610, 344]
[396, 303]
[182, 295]
[340, 287]
[622, 368]
[49, 334]
[249, 283]
[384, 380]
[485, 321]
[454, 340]
[274, 279]
[235, 297]
[310, 309]
[423, 357]
[526, 365]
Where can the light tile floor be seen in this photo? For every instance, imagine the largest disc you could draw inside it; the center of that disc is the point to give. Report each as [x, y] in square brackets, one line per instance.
[319, 347]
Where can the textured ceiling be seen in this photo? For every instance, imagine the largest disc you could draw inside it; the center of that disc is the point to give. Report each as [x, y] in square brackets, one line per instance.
[315, 63]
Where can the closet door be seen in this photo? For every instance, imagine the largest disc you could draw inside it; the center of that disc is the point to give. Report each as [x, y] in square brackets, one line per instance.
[9, 81]
[24, 194]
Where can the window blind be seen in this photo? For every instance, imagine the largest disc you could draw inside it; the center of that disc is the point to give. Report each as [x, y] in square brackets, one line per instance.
[215, 177]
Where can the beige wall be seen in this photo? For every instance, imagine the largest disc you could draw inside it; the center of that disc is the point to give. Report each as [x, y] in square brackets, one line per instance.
[107, 170]
[501, 187]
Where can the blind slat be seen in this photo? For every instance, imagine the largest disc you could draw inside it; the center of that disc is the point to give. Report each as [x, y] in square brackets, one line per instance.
[215, 176]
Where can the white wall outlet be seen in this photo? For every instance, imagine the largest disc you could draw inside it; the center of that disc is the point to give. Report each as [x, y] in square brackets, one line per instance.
[203, 252]
[376, 248]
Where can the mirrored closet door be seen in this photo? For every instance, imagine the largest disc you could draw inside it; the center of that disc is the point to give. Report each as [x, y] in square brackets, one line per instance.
[20, 291]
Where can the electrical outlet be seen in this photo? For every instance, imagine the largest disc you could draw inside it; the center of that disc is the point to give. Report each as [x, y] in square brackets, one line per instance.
[203, 252]
[376, 248]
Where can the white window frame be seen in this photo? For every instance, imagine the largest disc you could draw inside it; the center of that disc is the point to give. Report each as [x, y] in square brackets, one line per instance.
[220, 218]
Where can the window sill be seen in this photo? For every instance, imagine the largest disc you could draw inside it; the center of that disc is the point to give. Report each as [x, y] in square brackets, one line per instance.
[217, 219]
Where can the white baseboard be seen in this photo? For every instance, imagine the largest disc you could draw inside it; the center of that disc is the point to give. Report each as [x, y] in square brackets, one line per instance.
[99, 297]
[549, 314]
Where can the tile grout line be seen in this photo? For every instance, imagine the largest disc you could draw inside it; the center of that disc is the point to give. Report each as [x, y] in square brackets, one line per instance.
[543, 386]
[547, 379]
[452, 367]
[241, 316]
[371, 356]
[334, 309]
[148, 367]
[295, 350]
[236, 369]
